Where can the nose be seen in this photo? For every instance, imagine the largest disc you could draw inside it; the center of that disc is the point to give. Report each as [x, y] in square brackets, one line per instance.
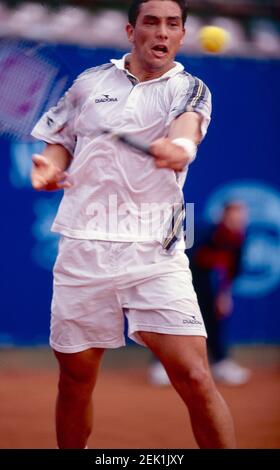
[162, 31]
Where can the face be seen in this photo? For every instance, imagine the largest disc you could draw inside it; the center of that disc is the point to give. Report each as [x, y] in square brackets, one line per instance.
[157, 35]
[236, 217]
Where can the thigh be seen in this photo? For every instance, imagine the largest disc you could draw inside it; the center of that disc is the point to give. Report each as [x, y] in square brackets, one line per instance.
[177, 352]
[186, 363]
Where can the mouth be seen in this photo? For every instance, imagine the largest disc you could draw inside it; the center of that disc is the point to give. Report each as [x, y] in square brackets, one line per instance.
[160, 50]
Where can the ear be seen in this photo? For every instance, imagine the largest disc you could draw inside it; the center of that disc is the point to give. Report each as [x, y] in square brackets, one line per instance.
[130, 32]
[183, 37]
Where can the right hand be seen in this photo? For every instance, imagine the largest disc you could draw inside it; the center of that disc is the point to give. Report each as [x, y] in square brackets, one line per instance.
[169, 155]
[47, 176]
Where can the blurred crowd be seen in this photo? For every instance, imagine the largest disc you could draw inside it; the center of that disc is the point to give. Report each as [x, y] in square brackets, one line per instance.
[257, 36]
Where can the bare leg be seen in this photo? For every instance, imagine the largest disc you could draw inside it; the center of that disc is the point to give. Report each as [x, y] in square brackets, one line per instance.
[74, 413]
[185, 360]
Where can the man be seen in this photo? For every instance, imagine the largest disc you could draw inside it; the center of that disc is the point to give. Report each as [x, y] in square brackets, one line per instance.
[106, 265]
[215, 263]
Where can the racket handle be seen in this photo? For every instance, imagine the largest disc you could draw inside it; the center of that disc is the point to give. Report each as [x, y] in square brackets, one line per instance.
[134, 143]
[125, 139]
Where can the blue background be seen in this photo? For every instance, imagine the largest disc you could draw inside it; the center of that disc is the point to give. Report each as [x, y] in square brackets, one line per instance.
[241, 151]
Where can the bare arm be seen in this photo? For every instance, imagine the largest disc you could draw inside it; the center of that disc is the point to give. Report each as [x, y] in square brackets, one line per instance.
[187, 125]
[48, 170]
[169, 155]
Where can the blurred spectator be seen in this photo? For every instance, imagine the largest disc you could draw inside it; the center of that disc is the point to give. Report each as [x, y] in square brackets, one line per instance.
[215, 262]
[265, 36]
[252, 25]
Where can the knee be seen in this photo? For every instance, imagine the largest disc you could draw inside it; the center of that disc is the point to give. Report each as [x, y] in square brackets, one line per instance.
[199, 379]
[195, 378]
[76, 378]
[75, 375]
[75, 384]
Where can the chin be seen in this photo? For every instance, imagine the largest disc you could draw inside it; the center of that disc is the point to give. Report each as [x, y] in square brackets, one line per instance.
[160, 63]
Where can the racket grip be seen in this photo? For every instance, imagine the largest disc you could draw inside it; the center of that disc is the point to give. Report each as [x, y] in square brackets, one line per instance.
[134, 143]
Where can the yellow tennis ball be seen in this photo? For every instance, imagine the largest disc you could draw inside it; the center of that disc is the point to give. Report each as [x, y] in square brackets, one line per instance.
[213, 38]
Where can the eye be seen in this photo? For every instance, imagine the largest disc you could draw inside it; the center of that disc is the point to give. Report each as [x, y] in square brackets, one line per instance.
[174, 24]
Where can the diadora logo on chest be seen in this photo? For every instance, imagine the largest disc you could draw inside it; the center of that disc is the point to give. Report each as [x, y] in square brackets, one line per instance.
[105, 99]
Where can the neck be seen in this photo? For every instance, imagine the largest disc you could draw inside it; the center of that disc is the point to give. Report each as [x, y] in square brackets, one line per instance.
[142, 70]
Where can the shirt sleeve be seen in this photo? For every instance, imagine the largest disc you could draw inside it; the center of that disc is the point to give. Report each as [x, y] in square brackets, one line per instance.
[57, 126]
[195, 97]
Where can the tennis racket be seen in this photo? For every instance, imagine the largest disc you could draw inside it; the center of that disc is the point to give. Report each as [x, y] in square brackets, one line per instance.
[32, 79]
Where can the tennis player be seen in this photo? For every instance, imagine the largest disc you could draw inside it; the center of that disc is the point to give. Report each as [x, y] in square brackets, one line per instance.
[120, 252]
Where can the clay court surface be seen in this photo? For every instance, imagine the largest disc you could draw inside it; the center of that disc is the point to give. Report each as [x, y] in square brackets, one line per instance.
[129, 413]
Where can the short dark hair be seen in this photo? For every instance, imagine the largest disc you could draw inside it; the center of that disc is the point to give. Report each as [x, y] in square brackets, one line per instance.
[134, 9]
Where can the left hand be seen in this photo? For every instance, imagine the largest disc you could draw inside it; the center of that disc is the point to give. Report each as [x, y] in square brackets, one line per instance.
[169, 155]
[47, 176]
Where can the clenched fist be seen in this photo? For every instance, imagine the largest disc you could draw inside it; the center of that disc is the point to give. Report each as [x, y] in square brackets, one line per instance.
[169, 155]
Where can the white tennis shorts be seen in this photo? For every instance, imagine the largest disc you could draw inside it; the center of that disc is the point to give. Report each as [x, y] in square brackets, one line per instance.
[99, 283]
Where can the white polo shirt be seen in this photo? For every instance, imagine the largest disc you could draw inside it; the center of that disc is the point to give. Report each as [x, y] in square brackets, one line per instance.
[118, 194]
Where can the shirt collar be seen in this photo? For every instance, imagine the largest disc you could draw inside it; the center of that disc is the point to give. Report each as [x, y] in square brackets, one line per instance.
[120, 64]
